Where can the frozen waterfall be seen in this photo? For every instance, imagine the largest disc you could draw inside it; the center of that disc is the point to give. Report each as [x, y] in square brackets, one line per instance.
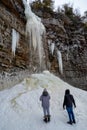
[34, 29]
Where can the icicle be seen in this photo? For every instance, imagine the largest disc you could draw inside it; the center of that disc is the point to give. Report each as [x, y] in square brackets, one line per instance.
[60, 61]
[52, 46]
[34, 29]
[15, 40]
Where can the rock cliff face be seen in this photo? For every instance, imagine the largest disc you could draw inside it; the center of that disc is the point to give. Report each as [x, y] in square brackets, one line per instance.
[72, 43]
[12, 17]
[70, 40]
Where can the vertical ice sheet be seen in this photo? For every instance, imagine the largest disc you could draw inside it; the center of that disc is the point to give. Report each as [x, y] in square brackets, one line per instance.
[15, 40]
[59, 57]
[52, 47]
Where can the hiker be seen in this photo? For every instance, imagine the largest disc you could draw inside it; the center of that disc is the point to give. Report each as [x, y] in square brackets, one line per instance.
[68, 103]
[44, 98]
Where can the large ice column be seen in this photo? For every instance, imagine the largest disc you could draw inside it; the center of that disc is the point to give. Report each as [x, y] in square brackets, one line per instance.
[34, 29]
[59, 57]
[15, 40]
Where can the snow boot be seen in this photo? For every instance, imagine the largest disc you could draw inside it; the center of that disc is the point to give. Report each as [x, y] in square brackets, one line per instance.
[69, 122]
[74, 121]
[48, 117]
[45, 119]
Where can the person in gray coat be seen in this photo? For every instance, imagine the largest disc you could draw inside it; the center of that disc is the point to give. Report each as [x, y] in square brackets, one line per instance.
[44, 98]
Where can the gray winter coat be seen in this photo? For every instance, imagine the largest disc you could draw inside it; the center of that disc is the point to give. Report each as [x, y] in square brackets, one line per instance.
[45, 97]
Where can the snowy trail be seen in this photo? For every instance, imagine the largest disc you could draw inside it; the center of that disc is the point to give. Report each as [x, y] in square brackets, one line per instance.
[20, 108]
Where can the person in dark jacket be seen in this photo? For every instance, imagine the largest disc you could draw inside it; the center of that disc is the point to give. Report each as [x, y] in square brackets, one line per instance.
[68, 103]
[45, 97]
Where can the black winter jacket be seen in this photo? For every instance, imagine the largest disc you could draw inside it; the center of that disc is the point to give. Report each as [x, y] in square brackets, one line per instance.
[68, 101]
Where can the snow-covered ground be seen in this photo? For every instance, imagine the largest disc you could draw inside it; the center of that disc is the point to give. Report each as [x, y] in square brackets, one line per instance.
[20, 107]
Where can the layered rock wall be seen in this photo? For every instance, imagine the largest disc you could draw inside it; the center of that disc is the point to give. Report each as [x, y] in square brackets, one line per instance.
[70, 41]
[12, 17]
[73, 47]
[8, 21]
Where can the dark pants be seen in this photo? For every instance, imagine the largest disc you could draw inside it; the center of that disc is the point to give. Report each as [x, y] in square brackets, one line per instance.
[70, 114]
[46, 111]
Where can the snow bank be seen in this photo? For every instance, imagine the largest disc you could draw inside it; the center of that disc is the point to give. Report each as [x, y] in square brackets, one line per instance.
[20, 108]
